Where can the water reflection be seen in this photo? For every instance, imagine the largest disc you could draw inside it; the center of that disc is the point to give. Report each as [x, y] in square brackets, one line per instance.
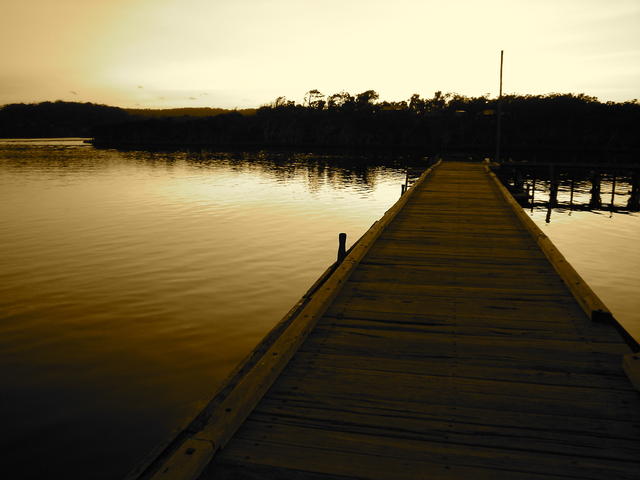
[335, 170]
[611, 189]
[132, 282]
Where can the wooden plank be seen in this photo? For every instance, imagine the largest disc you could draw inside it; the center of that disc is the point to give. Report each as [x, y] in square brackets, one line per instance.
[368, 298]
[466, 332]
[521, 279]
[442, 366]
[414, 247]
[424, 389]
[450, 258]
[458, 431]
[364, 336]
[457, 413]
[398, 450]
[304, 461]
[442, 311]
[443, 325]
[540, 296]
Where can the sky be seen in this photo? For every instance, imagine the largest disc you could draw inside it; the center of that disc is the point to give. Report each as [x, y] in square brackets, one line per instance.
[245, 53]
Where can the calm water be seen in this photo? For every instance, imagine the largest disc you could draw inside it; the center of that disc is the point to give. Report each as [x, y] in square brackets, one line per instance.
[132, 283]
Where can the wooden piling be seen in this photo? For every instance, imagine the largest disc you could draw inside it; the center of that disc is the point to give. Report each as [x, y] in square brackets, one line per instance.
[533, 190]
[595, 201]
[634, 195]
[571, 195]
[342, 246]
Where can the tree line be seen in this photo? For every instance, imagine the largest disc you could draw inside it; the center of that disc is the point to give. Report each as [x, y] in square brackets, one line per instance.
[443, 122]
[76, 119]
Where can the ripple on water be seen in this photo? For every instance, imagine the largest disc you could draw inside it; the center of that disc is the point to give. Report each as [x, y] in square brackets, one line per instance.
[132, 283]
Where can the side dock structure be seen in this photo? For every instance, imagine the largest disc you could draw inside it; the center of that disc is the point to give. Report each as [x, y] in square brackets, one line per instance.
[452, 342]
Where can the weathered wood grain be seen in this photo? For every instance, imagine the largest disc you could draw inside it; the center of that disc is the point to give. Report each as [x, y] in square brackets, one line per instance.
[454, 351]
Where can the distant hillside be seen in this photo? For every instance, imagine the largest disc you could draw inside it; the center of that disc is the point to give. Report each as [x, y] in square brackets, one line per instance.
[56, 119]
[74, 119]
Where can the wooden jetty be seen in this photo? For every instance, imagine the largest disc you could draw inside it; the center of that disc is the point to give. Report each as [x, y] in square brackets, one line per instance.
[452, 342]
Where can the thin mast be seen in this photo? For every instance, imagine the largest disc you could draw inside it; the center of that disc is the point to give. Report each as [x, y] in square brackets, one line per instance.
[499, 121]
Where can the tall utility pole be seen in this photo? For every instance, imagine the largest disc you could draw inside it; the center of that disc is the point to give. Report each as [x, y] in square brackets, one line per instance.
[499, 120]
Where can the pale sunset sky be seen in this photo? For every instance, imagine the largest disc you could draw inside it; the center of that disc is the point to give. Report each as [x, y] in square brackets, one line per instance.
[245, 53]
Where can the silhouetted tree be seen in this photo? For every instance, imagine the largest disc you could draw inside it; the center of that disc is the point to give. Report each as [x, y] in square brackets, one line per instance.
[417, 104]
[313, 99]
[341, 100]
[366, 99]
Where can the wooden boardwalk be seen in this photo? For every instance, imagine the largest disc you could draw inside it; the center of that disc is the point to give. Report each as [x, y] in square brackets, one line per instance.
[453, 351]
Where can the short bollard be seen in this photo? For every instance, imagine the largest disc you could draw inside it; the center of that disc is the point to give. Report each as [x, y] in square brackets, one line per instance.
[342, 246]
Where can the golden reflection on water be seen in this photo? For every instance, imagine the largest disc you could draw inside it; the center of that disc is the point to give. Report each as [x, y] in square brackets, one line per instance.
[132, 283]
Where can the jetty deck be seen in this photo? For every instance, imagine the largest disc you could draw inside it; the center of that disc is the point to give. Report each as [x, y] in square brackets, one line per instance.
[453, 349]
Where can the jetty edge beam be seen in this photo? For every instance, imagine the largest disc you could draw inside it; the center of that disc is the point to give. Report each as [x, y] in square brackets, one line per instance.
[588, 300]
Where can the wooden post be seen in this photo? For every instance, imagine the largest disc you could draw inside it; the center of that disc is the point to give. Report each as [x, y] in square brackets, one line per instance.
[553, 186]
[518, 180]
[634, 196]
[571, 197]
[403, 188]
[533, 190]
[613, 189]
[595, 201]
[342, 246]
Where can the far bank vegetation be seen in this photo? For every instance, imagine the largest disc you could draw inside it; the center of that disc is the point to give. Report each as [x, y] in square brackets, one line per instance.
[443, 122]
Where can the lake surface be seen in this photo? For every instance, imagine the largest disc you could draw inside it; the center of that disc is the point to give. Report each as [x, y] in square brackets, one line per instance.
[131, 283]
